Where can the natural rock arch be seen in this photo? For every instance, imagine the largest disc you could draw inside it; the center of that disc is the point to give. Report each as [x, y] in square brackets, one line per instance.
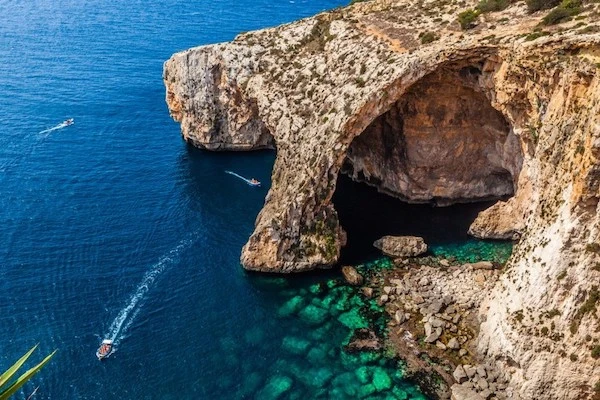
[441, 141]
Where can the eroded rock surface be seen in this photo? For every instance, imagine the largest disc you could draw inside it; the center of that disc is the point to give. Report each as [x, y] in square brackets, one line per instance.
[401, 246]
[352, 88]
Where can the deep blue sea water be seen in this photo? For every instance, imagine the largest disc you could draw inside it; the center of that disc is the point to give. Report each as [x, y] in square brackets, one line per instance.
[113, 227]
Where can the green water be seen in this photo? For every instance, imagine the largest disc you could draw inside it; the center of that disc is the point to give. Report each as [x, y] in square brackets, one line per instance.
[316, 315]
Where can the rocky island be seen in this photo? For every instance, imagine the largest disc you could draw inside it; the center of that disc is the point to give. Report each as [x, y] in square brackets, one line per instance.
[440, 102]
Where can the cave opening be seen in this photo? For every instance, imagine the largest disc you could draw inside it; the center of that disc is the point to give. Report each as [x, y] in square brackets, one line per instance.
[442, 143]
[366, 215]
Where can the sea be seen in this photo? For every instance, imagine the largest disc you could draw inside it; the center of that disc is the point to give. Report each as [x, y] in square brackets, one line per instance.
[113, 227]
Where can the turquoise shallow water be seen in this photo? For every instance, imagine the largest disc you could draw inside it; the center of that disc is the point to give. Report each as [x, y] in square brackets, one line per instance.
[112, 227]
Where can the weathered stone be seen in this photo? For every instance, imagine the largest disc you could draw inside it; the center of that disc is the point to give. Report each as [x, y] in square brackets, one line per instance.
[462, 352]
[440, 345]
[482, 383]
[432, 337]
[383, 299]
[481, 371]
[481, 265]
[459, 374]
[436, 323]
[401, 246]
[428, 328]
[364, 340]
[435, 307]
[444, 263]
[453, 344]
[470, 371]
[368, 292]
[399, 317]
[352, 276]
[462, 392]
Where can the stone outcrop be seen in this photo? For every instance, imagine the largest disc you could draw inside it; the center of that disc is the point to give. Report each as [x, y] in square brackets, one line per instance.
[352, 276]
[401, 246]
[490, 112]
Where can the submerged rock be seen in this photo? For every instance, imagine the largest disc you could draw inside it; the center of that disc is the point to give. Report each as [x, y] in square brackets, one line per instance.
[352, 276]
[292, 306]
[275, 388]
[381, 379]
[401, 246]
[313, 315]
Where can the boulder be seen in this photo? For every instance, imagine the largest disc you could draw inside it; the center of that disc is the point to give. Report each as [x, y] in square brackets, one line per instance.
[367, 292]
[453, 344]
[400, 317]
[481, 265]
[401, 246]
[459, 374]
[364, 340]
[352, 276]
[462, 392]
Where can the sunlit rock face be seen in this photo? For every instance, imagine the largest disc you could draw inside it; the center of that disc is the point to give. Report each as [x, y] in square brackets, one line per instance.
[442, 141]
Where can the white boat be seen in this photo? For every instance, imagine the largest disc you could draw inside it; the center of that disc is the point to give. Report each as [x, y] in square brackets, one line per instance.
[105, 349]
[68, 122]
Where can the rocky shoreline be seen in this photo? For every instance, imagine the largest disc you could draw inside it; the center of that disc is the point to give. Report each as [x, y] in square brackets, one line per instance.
[432, 304]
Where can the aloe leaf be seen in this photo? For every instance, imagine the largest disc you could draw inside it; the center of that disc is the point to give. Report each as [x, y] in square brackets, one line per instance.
[5, 377]
[25, 377]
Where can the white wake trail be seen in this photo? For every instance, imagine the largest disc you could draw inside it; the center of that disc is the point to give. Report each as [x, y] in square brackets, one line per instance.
[248, 181]
[127, 315]
[55, 128]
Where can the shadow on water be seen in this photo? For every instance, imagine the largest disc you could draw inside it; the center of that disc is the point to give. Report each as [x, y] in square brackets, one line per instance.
[366, 215]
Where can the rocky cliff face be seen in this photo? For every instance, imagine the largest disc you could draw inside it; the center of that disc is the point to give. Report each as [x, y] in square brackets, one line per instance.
[483, 113]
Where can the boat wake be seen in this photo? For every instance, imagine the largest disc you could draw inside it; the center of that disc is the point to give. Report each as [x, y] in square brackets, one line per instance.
[62, 125]
[123, 321]
[42, 136]
[248, 181]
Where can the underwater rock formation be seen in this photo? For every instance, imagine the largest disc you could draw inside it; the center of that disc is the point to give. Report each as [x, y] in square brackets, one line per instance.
[486, 113]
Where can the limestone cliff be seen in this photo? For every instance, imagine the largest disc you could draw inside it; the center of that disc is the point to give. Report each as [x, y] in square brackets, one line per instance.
[490, 112]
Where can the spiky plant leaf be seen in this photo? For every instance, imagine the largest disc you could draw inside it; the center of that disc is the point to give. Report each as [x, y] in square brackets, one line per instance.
[5, 377]
[4, 395]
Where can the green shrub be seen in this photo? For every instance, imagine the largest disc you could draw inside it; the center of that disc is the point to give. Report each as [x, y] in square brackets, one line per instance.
[597, 387]
[593, 247]
[486, 6]
[573, 357]
[557, 16]
[466, 18]
[564, 12]
[428, 37]
[536, 5]
[596, 351]
[533, 36]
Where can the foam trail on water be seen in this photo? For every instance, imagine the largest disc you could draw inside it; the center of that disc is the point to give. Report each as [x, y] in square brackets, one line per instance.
[241, 177]
[41, 138]
[56, 127]
[127, 315]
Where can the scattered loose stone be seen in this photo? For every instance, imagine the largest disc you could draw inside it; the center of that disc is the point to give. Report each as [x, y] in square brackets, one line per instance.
[368, 292]
[459, 374]
[352, 276]
[453, 344]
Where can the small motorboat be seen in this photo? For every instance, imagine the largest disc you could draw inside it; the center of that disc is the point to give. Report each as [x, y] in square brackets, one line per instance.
[105, 349]
[254, 182]
[68, 122]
